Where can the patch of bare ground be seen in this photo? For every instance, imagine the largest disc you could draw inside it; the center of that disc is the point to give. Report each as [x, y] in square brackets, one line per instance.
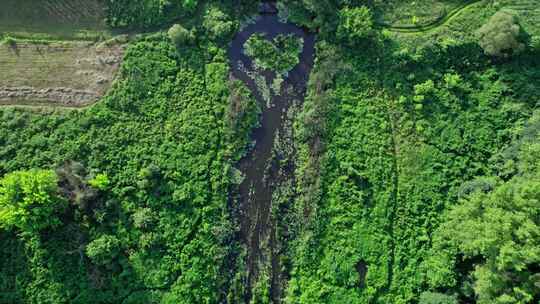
[70, 74]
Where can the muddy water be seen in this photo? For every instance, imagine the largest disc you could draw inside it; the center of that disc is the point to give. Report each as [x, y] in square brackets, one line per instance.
[255, 193]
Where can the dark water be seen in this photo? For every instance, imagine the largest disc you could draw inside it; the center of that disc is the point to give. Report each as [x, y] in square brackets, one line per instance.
[255, 192]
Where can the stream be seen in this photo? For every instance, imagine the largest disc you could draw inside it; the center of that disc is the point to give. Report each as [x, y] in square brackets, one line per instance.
[255, 192]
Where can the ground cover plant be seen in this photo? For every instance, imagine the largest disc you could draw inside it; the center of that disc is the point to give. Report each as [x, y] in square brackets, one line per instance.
[112, 246]
[409, 173]
[279, 54]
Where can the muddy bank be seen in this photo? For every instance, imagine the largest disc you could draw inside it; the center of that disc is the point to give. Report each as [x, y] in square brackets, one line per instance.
[255, 192]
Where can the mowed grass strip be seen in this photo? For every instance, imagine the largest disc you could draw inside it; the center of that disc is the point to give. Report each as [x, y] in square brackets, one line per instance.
[54, 19]
[65, 73]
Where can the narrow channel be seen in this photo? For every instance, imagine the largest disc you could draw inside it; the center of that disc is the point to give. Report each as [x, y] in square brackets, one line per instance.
[255, 193]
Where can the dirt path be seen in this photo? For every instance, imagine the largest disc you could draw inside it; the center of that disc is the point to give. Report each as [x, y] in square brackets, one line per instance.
[255, 192]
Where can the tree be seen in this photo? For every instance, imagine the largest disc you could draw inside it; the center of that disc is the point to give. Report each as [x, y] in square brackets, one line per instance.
[218, 25]
[30, 201]
[498, 234]
[179, 35]
[501, 36]
[355, 23]
[103, 249]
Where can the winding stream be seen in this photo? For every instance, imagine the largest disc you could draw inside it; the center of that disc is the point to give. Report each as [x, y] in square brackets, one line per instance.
[255, 192]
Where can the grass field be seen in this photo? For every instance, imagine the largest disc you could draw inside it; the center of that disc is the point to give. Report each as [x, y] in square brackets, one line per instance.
[56, 19]
[56, 73]
[462, 26]
[411, 13]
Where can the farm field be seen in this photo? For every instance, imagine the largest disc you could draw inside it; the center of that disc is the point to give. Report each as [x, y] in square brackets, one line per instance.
[70, 74]
[66, 19]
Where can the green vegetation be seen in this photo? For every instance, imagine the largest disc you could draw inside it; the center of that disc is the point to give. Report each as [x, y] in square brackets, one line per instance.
[409, 174]
[57, 19]
[279, 54]
[29, 201]
[413, 13]
[180, 35]
[355, 23]
[501, 35]
[436, 298]
[157, 228]
[388, 142]
[494, 230]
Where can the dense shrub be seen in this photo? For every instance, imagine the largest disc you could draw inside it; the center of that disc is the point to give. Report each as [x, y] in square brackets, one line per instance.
[103, 249]
[218, 25]
[279, 54]
[501, 35]
[157, 229]
[29, 200]
[355, 23]
[496, 233]
[146, 13]
[180, 35]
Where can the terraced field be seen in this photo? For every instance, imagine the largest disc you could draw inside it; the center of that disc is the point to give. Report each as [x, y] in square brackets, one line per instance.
[74, 19]
[70, 74]
[461, 24]
[414, 13]
[528, 12]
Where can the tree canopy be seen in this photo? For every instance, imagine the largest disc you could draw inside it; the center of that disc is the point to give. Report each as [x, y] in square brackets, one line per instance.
[29, 200]
[497, 233]
[501, 35]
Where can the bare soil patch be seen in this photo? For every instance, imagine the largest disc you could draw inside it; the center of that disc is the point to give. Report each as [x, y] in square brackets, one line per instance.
[73, 74]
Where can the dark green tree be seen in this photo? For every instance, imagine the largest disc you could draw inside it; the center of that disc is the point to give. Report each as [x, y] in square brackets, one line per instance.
[500, 232]
[103, 249]
[217, 24]
[179, 35]
[355, 23]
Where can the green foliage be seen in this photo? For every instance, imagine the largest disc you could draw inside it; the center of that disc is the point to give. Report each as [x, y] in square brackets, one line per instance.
[9, 41]
[29, 200]
[501, 35]
[218, 25]
[436, 298]
[146, 13]
[391, 147]
[100, 181]
[535, 43]
[279, 55]
[179, 35]
[502, 228]
[103, 250]
[391, 143]
[160, 229]
[355, 23]
[242, 114]
[315, 14]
